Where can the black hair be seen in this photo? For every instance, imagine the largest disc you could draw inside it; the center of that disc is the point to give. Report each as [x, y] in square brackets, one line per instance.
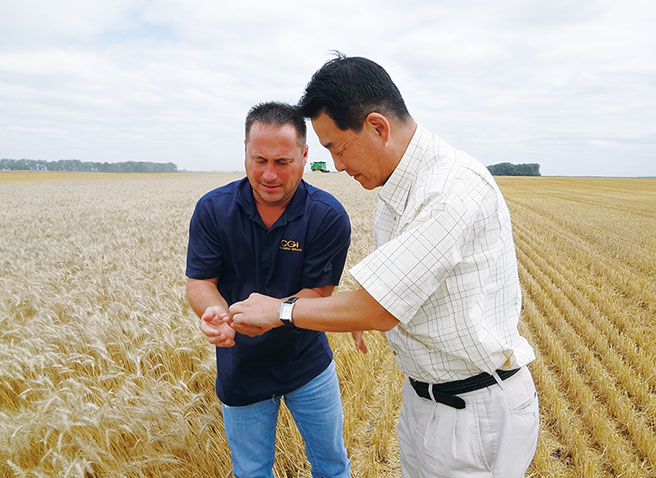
[278, 114]
[347, 89]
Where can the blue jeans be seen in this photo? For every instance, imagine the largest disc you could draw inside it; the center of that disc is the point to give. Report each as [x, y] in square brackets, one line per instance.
[317, 411]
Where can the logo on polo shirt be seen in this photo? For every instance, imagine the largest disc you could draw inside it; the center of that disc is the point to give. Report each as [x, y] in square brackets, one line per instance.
[290, 245]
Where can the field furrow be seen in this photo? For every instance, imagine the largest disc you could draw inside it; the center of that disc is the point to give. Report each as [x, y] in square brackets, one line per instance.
[631, 273]
[608, 435]
[623, 295]
[573, 452]
[618, 351]
[590, 364]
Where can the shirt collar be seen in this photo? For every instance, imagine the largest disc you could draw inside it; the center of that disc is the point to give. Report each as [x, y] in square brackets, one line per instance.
[295, 208]
[395, 191]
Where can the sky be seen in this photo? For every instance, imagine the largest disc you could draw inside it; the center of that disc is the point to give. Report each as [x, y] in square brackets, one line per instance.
[569, 85]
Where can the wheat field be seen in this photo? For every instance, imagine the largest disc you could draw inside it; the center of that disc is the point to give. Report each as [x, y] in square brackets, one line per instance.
[104, 372]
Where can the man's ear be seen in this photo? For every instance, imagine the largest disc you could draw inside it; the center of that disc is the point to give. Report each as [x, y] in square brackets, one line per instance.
[379, 125]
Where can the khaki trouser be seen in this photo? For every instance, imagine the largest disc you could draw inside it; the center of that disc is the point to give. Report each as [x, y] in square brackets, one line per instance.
[495, 435]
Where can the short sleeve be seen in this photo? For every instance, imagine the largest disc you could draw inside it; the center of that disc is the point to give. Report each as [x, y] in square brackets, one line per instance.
[404, 272]
[204, 252]
[326, 253]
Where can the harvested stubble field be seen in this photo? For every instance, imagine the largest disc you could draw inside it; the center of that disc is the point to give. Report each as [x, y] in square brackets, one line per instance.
[104, 373]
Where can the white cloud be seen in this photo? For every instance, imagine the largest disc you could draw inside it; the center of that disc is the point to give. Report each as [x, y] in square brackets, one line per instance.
[569, 85]
[36, 22]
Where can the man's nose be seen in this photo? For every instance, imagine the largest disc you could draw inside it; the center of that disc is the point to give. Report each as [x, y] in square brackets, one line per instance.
[269, 171]
[339, 164]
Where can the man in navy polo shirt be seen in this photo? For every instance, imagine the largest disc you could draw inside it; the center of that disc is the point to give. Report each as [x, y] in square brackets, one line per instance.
[272, 233]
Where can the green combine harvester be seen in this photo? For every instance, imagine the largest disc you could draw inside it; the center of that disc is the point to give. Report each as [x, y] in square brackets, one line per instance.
[319, 166]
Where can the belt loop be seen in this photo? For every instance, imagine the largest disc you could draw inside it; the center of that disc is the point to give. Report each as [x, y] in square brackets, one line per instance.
[430, 392]
[498, 379]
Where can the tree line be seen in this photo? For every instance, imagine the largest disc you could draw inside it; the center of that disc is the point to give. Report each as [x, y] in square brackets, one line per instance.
[500, 169]
[509, 169]
[86, 166]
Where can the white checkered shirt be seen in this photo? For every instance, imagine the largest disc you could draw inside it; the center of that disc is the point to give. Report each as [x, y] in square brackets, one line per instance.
[445, 266]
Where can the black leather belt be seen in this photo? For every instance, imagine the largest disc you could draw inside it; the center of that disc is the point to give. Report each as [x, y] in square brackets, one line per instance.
[447, 392]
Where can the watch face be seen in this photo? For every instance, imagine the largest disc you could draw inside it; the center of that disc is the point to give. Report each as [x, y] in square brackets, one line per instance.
[286, 312]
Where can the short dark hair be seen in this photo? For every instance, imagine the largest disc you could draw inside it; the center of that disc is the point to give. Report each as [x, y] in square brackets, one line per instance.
[348, 89]
[277, 114]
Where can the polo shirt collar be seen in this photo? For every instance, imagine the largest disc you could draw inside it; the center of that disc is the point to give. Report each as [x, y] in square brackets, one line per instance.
[395, 191]
[294, 209]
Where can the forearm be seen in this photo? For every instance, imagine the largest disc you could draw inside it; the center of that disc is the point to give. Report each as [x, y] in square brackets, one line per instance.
[347, 312]
[316, 292]
[203, 294]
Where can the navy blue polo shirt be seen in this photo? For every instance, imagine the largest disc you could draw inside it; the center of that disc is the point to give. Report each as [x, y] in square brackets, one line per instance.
[305, 248]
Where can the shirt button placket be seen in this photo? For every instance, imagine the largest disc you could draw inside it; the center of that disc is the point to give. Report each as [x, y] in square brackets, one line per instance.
[265, 256]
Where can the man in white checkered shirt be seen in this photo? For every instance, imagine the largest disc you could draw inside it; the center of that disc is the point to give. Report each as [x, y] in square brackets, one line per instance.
[442, 282]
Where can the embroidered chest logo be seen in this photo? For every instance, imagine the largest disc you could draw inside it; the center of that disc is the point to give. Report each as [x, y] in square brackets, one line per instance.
[290, 245]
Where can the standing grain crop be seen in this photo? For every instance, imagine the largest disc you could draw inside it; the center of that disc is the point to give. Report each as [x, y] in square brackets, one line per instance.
[104, 373]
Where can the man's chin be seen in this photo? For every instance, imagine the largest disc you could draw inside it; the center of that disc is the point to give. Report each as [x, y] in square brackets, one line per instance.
[271, 199]
[364, 182]
[267, 197]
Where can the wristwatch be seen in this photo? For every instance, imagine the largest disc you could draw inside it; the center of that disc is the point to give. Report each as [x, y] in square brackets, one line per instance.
[286, 312]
